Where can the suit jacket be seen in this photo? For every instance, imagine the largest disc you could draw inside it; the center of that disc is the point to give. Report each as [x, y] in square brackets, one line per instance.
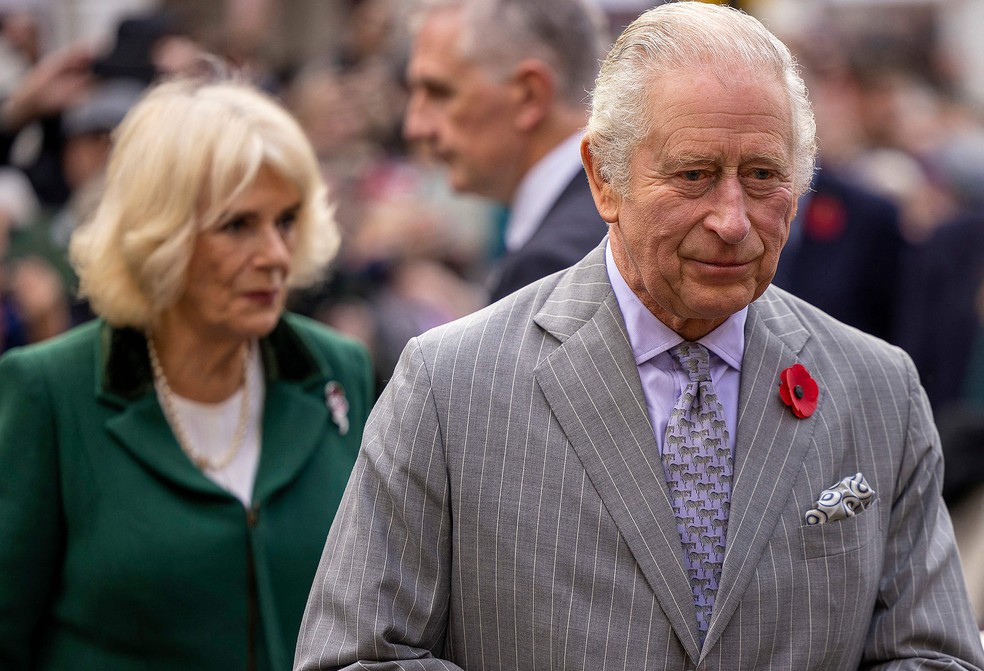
[846, 257]
[942, 290]
[571, 228]
[508, 509]
[117, 553]
[941, 328]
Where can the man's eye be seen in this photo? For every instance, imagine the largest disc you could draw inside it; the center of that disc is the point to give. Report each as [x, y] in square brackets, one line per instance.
[437, 92]
[693, 175]
[762, 173]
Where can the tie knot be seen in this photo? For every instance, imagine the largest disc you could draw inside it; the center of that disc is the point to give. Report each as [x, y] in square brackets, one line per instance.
[694, 359]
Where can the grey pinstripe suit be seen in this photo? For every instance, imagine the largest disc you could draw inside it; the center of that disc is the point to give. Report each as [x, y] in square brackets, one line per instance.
[509, 511]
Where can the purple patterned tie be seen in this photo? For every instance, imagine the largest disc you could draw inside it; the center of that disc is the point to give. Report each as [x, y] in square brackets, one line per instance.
[697, 465]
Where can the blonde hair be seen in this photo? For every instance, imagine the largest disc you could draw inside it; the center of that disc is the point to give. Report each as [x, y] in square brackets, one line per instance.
[676, 37]
[181, 155]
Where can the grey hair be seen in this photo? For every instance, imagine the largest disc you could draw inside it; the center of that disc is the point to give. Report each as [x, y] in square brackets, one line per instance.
[674, 37]
[569, 35]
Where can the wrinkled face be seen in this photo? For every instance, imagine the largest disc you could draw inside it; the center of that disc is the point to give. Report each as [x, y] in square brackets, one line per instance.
[236, 285]
[697, 236]
[460, 113]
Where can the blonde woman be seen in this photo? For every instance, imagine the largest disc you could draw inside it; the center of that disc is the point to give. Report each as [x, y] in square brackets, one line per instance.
[170, 471]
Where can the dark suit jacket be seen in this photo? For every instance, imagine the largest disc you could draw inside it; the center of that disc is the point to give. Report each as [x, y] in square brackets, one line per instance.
[941, 326]
[942, 284]
[846, 255]
[116, 553]
[570, 230]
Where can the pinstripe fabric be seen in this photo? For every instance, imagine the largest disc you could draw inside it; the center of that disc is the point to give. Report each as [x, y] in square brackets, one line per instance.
[509, 511]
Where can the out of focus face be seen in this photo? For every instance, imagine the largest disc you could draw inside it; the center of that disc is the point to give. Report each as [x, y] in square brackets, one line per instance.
[698, 234]
[236, 284]
[460, 113]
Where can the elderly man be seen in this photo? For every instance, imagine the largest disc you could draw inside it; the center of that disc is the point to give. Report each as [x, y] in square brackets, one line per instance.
[498, 92]
[655, 459]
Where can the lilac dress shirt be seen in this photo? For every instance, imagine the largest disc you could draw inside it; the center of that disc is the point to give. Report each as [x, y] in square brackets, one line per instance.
[662, 379]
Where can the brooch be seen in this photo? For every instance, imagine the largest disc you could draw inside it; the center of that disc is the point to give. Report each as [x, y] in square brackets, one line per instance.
[338, 405]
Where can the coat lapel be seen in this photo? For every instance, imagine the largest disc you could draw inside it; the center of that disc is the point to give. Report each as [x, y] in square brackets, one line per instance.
[771, 444]
[144, 432]
[140, 426]
[593, 388]
[295, 420]
[294, 426]
[295, 417]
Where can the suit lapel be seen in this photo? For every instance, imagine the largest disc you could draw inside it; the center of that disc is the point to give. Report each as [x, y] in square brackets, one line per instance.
[763, 479]
[593, 388]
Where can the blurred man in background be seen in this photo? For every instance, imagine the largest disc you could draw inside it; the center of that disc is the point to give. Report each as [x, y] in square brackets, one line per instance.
[498, 93]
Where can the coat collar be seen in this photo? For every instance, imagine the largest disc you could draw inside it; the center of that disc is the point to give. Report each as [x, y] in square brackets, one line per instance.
[593, 388]
[296, 421]
[127, 375]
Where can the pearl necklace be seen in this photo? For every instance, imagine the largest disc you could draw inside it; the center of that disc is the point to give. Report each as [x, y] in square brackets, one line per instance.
[174, 419]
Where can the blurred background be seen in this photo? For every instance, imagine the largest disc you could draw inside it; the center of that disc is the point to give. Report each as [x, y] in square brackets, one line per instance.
[890, 239]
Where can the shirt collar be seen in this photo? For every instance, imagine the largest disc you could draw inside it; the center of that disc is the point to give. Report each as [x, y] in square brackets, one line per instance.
[540, 188]
[650, 337]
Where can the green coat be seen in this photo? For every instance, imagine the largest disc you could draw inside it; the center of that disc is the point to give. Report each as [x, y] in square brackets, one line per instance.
[117, 553]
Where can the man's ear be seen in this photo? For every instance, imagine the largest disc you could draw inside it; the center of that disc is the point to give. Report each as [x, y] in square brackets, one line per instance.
[535, 90]
[606, 199]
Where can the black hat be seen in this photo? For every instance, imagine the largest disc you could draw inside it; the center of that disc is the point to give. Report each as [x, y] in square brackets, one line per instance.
[130, 57]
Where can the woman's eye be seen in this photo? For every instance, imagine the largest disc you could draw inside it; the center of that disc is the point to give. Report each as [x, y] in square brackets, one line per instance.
[235, 225]
[287, 220]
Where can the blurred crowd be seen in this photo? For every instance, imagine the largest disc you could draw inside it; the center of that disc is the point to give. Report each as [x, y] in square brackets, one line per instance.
[890, 239]
[415, 254]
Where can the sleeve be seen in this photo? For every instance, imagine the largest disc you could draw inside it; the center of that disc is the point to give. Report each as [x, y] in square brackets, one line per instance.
[380, 599]
[922, 616]
[31, 525]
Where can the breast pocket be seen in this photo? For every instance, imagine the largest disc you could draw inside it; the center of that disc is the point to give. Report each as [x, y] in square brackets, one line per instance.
[841, 536]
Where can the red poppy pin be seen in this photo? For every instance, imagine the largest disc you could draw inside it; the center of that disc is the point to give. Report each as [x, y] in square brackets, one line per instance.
[798, 390]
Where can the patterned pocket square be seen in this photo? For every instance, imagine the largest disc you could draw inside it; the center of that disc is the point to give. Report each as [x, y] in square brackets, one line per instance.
[845, 499]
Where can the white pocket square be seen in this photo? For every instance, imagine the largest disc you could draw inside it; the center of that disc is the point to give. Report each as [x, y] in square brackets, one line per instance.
[845, 499]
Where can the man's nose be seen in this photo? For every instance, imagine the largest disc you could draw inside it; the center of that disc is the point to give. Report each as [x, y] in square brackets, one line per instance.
[417, 124]
[729, 218]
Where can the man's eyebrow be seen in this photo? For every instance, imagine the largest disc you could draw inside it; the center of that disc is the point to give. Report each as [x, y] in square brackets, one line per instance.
[690, 160]
[770, 158]
[431, 84]
[685, 161]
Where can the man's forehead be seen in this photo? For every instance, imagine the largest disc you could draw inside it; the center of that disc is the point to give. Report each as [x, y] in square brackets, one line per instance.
[437, 51]
[704, 112]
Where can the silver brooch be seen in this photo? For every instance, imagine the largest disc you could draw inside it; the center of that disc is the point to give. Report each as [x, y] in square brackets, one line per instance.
[338, 405]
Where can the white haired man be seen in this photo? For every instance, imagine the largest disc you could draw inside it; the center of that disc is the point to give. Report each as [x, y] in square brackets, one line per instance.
[655, 460]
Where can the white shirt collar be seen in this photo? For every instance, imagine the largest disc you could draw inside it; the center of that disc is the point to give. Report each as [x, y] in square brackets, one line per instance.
[540, 188]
